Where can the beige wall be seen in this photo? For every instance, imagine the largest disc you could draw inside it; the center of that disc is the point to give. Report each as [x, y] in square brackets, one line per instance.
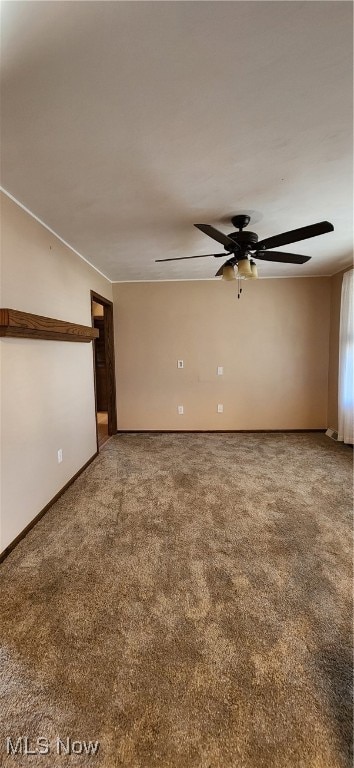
[47, 392]
[273, 344]
[336, 291]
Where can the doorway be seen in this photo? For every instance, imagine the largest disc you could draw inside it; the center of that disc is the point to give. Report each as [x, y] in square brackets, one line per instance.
[104, 368]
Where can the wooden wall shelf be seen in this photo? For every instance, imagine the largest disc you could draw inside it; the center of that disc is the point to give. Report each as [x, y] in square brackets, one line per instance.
[27, 326]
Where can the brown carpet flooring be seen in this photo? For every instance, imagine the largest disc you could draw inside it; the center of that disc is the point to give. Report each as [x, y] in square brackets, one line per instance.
[187, 603]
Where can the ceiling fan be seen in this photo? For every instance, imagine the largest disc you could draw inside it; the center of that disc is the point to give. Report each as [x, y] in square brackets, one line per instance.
[241, 248]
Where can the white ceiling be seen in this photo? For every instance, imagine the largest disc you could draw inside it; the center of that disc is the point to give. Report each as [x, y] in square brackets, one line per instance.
[123, 123]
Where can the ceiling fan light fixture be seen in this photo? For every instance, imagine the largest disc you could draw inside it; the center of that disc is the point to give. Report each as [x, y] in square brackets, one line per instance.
[244, 268]
[254, 270]
[228, 272]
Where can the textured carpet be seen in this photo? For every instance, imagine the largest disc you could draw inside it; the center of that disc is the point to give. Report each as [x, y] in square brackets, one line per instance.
[187, 603]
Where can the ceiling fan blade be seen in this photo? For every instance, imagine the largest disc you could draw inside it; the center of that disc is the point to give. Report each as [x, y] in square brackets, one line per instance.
[229, 244]
[282, 258]
[294, 235]
[203, 256]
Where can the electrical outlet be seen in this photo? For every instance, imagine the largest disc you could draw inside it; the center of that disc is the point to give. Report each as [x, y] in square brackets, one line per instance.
[220, 408]
[179, 363]
[180, 410]
[220, 370]
[60, 455]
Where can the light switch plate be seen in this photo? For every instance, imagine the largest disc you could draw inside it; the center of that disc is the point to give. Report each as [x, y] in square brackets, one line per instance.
[179, 363]
[220, 408]
[220, 370]
[180, 410]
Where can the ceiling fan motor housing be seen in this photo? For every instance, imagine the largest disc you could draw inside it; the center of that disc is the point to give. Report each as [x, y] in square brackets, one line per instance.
[247, 240]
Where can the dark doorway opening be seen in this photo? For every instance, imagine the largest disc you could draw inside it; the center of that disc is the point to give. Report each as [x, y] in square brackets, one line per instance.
[104, 368]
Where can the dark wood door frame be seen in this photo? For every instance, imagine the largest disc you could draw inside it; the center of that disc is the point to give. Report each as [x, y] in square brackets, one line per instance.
[110, 361]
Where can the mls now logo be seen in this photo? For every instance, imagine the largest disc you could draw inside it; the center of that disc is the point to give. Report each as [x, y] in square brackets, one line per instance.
[23, 745]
